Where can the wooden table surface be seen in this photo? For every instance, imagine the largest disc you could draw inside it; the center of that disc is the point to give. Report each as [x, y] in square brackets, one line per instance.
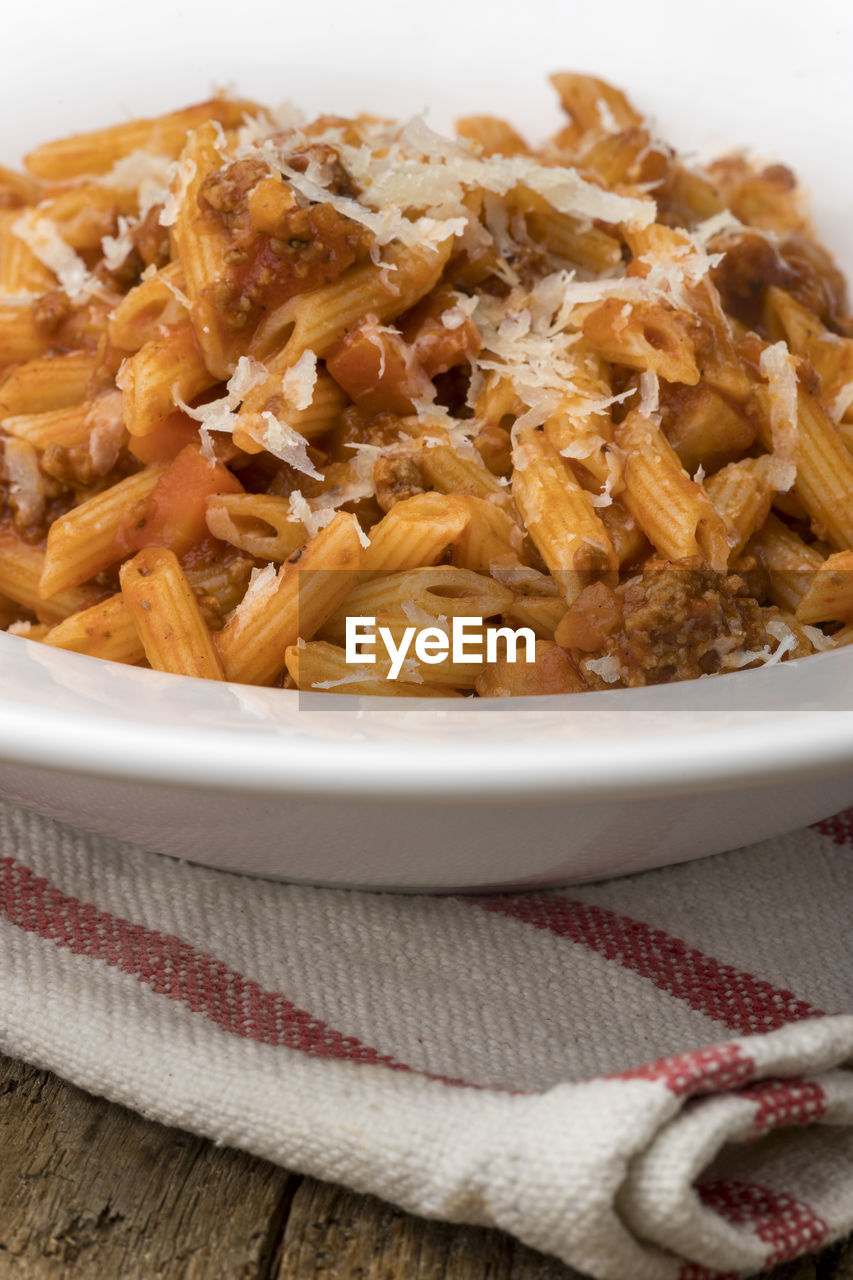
[90, 1190]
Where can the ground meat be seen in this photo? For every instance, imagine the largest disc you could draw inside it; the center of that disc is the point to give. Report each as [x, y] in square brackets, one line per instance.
[356, 426]
[276, 248]
[151, 240]
[340, 183]
[752, 263]
[396, 479]
[226, 190]
[672, 622]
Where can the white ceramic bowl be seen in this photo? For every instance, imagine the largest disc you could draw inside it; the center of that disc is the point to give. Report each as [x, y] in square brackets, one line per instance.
[414, 796]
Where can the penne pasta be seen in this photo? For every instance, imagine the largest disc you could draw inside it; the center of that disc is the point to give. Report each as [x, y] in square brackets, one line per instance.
[417, 531]
[258, 523]
[167, 369]
[21, 570]
[279, 608]
[139, 317]
[160, 601]
[559, 515]
[829, 596]
[323, 668]
[105, 630]
[46, 383]
[264, 385]
[790, 563]
[742, 494]
[99, 150]
[88, 538]
[673, 511]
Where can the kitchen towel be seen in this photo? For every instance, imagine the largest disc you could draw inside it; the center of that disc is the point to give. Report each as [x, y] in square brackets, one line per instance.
[649, 1077]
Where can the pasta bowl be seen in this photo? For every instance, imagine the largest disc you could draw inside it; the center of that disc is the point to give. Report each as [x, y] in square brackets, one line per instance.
[481, 795]
[418, 795]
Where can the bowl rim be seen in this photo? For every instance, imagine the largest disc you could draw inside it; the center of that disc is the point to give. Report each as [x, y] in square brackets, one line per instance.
[625, 743]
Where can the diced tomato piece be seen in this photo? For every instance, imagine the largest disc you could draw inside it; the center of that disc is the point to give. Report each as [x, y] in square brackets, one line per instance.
[166, 441]
[377, 369]
[440, 344]
[174, 513]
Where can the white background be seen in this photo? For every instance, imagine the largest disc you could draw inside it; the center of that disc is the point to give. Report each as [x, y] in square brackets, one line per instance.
[774, 76]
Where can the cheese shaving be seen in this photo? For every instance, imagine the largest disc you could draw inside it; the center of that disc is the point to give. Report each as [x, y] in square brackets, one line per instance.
[603, 499]
[582, 447]
[841, 403]
[221, 414]
[42, 238]
[116, 248]
[181, 174]
[607, 668]
[21, 466]
[280, 438]
[777, 366]
[606, 118]
[301, 511]
[177, 294]
[298, 383]
[146, 174]
[767, 657]
[262, 585]
[386, 225]
[819, 640]
[352, 677]
[716, 225]
[649, 394]
[288, 446]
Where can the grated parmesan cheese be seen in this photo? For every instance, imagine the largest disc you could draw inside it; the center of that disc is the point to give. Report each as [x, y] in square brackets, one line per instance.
[777, 366]
[387, 225]
[649, 395]
[41, 236]
[352, 677]
[716, 225]
[606, 118]
[116, 248]
[818, 638]
[180, 296]
[607, 668]
[21, 467]
[146, 174]
[280, 438]
[288, 445]
[786, 643]
[841, 403]
[299, 381]
[262, 584]
[582, 447]
[181, 174]
[603, 499]
[301, 511]
[221, 414]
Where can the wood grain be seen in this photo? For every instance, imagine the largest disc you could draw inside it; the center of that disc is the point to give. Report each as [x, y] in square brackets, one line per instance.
[90, 1191]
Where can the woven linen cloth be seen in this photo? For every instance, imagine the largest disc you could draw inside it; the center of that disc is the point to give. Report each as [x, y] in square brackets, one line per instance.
[650, 1077]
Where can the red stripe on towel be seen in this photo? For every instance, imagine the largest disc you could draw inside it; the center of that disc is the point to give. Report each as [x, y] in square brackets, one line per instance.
[737, 999]
[787, 1226]
[175, 969]
[839, 828]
